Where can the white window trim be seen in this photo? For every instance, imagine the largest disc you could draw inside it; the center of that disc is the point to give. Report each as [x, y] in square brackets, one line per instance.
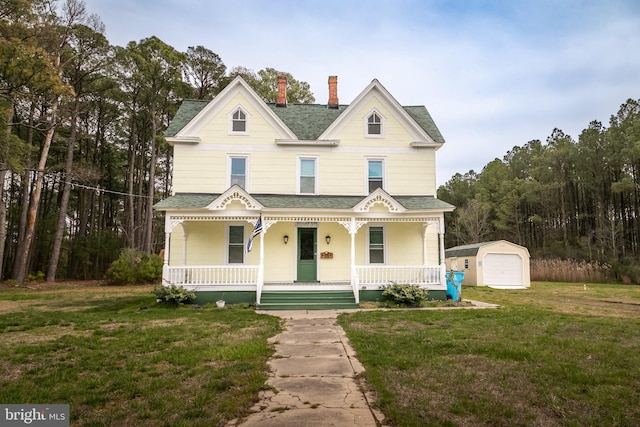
[366, 172]
[246, 123]
[299, 171]
[246, 169]
[366, 124]
[227, 240]
[385, 245]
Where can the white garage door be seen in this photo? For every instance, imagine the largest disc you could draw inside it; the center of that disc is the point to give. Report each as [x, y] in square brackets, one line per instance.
[503, 270]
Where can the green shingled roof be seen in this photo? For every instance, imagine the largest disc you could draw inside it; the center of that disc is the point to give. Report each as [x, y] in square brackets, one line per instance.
[306, 121]
[274, 201]
[424, 119]
[187, 111]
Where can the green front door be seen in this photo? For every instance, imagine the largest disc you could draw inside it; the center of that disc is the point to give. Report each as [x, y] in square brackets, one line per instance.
[307, 265]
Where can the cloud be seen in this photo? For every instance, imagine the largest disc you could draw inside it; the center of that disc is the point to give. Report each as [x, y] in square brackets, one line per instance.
[493, 74]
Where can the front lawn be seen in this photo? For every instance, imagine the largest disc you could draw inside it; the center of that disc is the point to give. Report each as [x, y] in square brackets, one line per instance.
[118, 358]
[553, 355]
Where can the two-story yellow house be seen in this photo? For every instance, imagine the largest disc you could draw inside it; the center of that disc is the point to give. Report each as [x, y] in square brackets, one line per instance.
[334, 201]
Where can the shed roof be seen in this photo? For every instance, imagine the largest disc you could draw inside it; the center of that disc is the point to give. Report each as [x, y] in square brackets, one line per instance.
[473, 248]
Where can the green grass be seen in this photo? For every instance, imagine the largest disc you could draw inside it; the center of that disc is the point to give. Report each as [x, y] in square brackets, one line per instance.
[118, 358]
[553, 355]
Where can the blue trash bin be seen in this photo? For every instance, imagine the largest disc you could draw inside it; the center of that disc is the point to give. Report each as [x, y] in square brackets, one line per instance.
[454, 284]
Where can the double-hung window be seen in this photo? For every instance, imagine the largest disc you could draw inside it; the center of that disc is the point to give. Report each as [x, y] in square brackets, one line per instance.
[239, 121]
[376, 245]
[307, 176]
[375, 174]
[238, 169]
[236, 244]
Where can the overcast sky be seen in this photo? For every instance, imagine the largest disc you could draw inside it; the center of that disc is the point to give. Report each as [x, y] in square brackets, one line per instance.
[493, 74]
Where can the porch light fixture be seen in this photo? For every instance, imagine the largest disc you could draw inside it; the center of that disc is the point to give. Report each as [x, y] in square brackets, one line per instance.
[285, 239]
[328, 239]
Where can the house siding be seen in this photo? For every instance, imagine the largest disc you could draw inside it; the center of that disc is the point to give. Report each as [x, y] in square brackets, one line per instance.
[199, 170]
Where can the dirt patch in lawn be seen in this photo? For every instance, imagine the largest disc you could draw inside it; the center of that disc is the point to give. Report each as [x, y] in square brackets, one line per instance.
[43, 334]
[73, 286]
[86, 290]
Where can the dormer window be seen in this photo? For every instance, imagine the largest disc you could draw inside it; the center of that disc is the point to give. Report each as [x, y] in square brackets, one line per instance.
[239, 121]
[374, 125]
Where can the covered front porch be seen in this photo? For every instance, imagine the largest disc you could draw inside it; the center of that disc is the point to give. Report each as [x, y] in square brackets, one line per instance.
[308, 254]
[240, 244]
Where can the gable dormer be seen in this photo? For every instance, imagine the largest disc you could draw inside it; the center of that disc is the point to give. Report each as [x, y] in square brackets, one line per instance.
[236, 103]
[376, 106]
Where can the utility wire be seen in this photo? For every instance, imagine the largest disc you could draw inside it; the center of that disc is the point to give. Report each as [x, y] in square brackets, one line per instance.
[99, 189]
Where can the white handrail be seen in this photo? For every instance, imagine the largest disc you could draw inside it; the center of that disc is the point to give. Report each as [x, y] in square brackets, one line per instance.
[386, 274]
[213, 275]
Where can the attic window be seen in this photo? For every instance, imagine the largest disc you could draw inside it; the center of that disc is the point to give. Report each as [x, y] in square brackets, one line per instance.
[239, 121]
[374, 124]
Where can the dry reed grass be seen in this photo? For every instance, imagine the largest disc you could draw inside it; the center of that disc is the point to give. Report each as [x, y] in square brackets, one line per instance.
[561, 270]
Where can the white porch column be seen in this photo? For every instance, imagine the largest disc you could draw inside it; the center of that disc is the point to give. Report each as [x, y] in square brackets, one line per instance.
[184, 243]
[424, 244]
[260, 281]
[355, 285]
[352, 227]
[425, 227]
[167, 241]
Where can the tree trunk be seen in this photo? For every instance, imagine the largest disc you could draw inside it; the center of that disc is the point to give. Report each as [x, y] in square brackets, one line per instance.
[24, 200]
[130, 227]
[3, 205]
[148, 225]
[64, 203]
[21, 272]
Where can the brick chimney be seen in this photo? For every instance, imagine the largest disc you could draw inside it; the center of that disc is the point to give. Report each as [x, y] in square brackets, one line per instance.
[333, 92]
[282, 91]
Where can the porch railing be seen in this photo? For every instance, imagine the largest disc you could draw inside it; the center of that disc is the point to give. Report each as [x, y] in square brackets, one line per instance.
[249, 275]
[411, 275]
[213, 275]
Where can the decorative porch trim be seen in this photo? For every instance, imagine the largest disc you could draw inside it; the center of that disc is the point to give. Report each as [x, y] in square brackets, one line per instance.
[382, 197]
[235, 193]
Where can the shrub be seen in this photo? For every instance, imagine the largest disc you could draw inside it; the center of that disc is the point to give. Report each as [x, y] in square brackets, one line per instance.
[174, 294]
[133, 266]
[403, 294]
[36, 277]
[626, 271]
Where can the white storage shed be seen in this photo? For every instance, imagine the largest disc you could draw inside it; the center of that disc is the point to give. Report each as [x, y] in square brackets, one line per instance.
[499, 264]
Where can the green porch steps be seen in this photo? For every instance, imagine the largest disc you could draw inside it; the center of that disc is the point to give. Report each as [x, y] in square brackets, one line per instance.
[307, 300]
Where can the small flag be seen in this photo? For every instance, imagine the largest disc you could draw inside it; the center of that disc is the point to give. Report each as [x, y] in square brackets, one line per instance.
[256, 230]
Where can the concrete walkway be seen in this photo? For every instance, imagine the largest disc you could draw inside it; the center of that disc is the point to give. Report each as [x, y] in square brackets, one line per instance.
[313, 379]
